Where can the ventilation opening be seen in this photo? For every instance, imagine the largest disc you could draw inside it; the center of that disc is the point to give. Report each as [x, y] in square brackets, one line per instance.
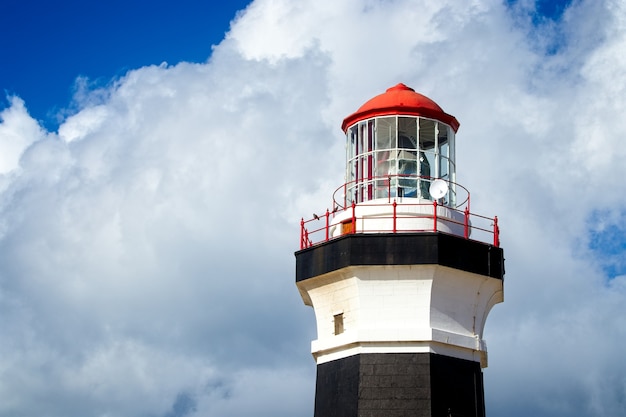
[338, 320]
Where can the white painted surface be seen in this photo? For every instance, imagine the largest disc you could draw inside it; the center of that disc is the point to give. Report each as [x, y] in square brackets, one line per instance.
[401, 308]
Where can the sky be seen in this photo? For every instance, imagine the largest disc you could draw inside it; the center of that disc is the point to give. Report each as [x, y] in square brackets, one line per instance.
[156, 160]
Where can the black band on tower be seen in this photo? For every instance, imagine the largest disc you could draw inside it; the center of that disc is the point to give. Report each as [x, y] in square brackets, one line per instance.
[400, 249]
[399, 385]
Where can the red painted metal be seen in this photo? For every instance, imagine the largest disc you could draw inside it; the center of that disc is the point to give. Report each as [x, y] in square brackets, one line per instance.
[496, 233]
[466, 223]
[435, 215]
[327, 223]
[400, 100]
[395, 216]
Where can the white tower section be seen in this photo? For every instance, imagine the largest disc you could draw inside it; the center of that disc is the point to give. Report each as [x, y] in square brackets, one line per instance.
[401, 308]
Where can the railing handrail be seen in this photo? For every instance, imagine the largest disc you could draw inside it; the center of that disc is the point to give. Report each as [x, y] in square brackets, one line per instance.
[306, 235]
[342, 202]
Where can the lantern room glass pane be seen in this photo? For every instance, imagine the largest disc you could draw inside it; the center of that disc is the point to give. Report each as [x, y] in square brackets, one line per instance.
[351, 153]
[424, 175]
[427, 134]
[444, 161]
[407, 178]
[427, 138]
[443, 152]
[385, 133]
[384, 171]
[407, 156]
[452, 170]
[384, 165]
[364, 144]
[351, 163]
[407, 132]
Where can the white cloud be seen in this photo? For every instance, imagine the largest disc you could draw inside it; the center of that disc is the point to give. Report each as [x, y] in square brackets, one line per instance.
[17, 131]
[81, 124]
[146, 251]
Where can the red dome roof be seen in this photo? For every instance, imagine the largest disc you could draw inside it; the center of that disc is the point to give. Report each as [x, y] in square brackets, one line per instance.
[400, 100]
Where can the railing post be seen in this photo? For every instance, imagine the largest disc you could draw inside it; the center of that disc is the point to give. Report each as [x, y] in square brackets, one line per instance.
[302, 233]
[466, 223]
[353, 217]
[327, 217]
[395, 205]
[389, 189]
[435, 215]
[496, 233]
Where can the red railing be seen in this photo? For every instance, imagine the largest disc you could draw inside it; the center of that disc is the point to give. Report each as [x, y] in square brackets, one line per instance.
[318, 229]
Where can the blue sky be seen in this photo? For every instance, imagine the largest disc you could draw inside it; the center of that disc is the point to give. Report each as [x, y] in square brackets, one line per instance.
[149, 212]
[545, 9]
[49, 44]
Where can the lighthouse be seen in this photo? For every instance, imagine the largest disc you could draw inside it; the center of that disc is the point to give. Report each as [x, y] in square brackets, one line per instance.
[400, 272]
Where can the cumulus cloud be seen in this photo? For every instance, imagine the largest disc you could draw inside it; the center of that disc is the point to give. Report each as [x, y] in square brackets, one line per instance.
[146, 248]
[17, 131]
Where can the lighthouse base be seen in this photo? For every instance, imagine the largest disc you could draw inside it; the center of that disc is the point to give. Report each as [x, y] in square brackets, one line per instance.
[399, 385]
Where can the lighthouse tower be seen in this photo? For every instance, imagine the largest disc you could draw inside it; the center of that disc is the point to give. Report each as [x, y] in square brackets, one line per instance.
[400, 273]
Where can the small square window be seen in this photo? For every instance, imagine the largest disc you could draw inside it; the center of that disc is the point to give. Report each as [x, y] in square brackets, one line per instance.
[338, 320]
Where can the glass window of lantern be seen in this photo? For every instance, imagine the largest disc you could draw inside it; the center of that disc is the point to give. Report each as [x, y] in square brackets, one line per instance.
[451, 154]
[452, 173]
[371, 128]
[364, 139]
[384, 163]
[352, 162]
[407, 132]
[427, 138]
[382, 130]
[370, 158]
[385, 133]
[407, 156]
[362, 180]
[427, 135]
[353, 137]
[443, 152]
[365, 160]
[384, 168]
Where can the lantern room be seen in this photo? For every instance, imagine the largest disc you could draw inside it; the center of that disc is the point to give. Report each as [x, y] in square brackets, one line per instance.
[400, 174]
[397, 144]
